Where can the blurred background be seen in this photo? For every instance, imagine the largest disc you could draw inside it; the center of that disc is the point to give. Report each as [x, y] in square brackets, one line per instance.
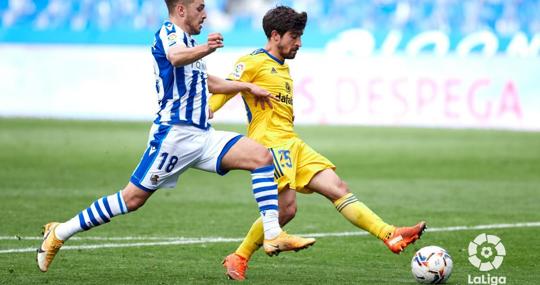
[441, 63]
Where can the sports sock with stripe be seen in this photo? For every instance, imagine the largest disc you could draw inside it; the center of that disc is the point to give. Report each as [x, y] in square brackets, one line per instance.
[266, 194]
[99, 212]
[361, 216]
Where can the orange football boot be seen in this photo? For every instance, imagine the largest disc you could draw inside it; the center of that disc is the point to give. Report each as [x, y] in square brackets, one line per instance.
[286, 242]
[403, 236]
[236, 266]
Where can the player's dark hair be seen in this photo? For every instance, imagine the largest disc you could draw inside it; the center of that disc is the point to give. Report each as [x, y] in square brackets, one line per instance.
[172, 3]
[283, 19]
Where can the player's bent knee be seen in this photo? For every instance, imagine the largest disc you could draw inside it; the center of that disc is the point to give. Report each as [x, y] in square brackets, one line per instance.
[263, 158]
[343, 187]
[134, 204]
[134, 197]
[336, 191]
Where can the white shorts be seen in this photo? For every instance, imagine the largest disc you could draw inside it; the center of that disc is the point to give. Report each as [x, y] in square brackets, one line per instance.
[172, 149]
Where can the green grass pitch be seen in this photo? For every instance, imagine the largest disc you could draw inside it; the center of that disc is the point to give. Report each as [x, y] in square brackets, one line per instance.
[51, 169]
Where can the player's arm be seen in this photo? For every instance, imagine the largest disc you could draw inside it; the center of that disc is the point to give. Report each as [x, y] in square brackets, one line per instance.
[181, 55]
[218, 85]
[219, 100]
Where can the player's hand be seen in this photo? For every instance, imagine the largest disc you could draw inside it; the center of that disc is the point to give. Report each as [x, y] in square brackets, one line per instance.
[210, 114]
[262, 96]
[215, 41]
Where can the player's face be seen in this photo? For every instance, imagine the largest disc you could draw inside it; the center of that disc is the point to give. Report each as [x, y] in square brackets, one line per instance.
[289, 44]
[195, 16]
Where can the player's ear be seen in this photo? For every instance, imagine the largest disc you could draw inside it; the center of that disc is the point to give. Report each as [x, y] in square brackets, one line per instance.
[275, 36]
[180, 9]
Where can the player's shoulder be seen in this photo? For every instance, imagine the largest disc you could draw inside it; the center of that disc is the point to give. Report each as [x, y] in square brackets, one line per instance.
[257, 55]
[168, 31]
[168, 27]
[248, 61]
[256, 52]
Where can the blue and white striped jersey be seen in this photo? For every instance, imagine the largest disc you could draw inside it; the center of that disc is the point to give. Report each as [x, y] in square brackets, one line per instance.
[182, 91]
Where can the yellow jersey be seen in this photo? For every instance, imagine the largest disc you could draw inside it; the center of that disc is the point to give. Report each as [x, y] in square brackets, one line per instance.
[271, 126]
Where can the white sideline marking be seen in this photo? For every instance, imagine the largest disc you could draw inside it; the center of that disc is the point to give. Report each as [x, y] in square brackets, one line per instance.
[183, 240]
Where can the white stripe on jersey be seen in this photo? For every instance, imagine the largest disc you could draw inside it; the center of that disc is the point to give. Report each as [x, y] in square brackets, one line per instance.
[182, 91]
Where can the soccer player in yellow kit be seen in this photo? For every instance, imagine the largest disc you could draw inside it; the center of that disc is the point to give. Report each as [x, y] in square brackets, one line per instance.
[298, 168]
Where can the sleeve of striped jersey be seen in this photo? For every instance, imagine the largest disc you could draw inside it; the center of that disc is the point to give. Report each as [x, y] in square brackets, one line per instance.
[170, 39]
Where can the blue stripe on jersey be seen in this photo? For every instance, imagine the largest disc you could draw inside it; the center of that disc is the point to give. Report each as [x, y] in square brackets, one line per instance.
[204, 95]
[179, 109]
[165, 70]
[185, 40]
[168, 96]
[192, 94]
[248, 111]
[181, 87]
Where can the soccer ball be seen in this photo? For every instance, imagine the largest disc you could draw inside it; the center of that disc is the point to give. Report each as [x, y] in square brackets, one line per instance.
[431, 264]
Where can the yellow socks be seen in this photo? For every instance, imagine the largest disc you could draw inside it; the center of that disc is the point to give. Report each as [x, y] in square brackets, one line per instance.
[252, 241]
[361, 216]
[352, 209]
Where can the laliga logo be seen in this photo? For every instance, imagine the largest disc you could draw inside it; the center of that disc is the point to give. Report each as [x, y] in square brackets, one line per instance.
[486, 252]
[491, 252]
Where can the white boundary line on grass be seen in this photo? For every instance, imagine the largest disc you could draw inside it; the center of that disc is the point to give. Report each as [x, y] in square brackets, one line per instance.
[161, 241]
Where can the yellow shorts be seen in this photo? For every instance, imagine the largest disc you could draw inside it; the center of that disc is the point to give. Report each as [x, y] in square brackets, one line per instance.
[296, 163]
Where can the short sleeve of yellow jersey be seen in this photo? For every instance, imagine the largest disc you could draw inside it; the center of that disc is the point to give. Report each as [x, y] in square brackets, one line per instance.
[244, 71]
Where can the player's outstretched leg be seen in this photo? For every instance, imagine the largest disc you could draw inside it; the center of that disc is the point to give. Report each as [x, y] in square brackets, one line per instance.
[98, 213]
[286, 242]
[50, 246]
[396, 238]
[403, 236]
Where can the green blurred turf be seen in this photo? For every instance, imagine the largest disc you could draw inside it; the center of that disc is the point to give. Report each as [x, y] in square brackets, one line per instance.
[53, 169]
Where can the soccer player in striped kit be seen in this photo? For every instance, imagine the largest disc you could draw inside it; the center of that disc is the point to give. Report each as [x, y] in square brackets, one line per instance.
[181, 137]
[299, 168]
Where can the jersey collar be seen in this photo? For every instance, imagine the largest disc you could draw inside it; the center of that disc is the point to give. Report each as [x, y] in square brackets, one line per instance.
[273, 57]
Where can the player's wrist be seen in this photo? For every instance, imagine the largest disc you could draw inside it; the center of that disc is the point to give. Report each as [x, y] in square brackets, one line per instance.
[251, 87]
[209, 49]
[243, 86]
